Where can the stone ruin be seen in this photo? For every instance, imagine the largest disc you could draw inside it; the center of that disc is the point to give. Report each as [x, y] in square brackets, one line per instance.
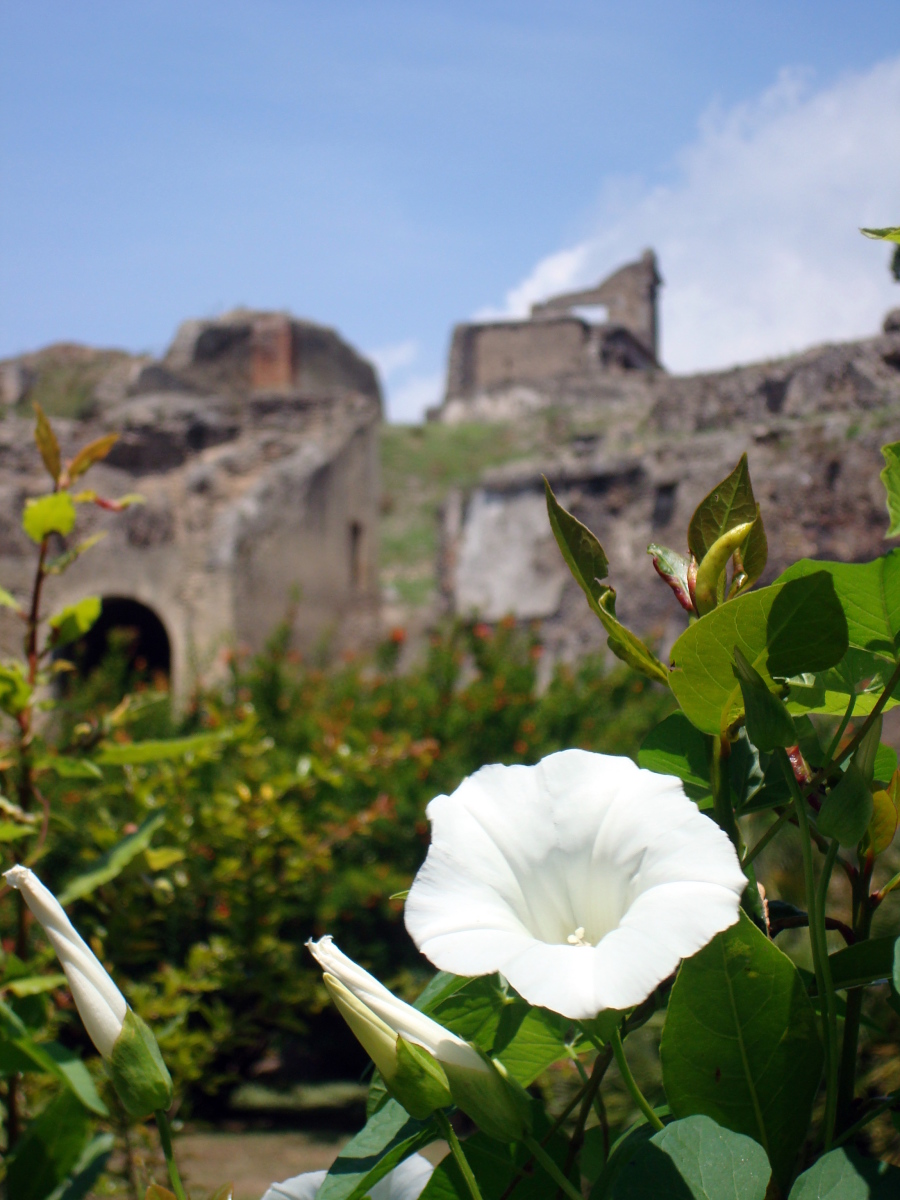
[637, 449]
[254, 443]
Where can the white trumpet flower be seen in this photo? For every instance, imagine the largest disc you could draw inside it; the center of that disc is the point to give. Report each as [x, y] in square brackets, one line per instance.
[101, 1005]
[406, 1182]
[584, 880]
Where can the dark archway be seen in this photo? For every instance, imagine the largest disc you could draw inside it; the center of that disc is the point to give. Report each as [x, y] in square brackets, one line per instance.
[133, 630]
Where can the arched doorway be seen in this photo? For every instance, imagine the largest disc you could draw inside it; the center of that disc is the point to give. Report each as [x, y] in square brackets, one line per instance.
[135, 634]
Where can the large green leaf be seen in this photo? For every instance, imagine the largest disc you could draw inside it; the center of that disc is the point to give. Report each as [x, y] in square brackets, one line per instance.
[847, 809]
[122, 754]
[113, 862]
[676, 747]
[869, 594]
[587, 561]
[890, 477]
[890, 233]
[740, 1044]
[845, 1175]
[768, 721]
[783, 630]
[537, 1039]
[88, 1169]
[49, 514]
[730, 503]
[695, 1159]
[49, 1150]
[387, 1138]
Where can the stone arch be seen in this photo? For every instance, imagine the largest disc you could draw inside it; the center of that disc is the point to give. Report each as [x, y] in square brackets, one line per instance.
[150, 647]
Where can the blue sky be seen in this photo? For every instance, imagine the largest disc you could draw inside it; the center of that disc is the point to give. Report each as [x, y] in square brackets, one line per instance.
[391, 168]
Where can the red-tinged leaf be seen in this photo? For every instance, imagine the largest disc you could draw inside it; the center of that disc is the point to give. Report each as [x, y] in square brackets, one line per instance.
[155, 1192]
[121, 504]
[47, 443]
[91, 453]
[674, 569]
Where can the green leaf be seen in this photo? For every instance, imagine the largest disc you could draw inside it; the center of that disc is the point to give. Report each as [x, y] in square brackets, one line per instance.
[88, 1169]
[890, 477]
[891, 233]
[782, 630]
[11, 832]
[695, 1159]
[46, 442]
[583, 553]
[113, 862]
[387, 1138]
[863, 963]
[845, 1175]
[49, 514]
[539, 1040]
[74, 620]
[847, 809]
[7, 600]
[67, 767]
[163, 857]
[472, 1011]
[740, 1043]
[589, 565]
[15, 690]
[91, 453]
[769, 723]
[496, 1165]
[729, 504]
[676, 747]
[869, 594]
[120, 754]
[885, 763]
[51, 1058]
[49, 1149]
[34, 985]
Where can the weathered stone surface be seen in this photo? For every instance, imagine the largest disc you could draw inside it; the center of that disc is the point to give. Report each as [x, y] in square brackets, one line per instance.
[261, 502]
[640, 448]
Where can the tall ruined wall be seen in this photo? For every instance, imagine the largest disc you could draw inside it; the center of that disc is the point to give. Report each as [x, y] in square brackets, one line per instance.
[262, 497]
[812, 425]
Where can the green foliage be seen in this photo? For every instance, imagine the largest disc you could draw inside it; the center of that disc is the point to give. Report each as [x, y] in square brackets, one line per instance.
[740, 1043]
[49, 514]
[890, 478]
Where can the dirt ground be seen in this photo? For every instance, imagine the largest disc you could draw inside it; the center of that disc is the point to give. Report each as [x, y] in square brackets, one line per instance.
[252, 1161]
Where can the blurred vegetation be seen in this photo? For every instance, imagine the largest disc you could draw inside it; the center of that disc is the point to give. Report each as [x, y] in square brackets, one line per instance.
[306, 817]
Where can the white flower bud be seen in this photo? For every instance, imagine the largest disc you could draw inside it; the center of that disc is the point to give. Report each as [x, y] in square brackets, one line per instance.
[100, 1004]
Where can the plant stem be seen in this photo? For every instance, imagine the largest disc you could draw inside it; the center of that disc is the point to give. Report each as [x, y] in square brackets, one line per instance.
[766, 838]
[882, 1106]
[165, 1137]
[458, 1153]
[819, 949]
[870, 720]
[722, 805]
[552, 1169]
[839, 732]
[631, 1083]
[828, 998]
[852, 1016]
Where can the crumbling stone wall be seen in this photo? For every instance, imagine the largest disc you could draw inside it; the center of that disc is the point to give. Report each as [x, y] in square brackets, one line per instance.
[254, 443]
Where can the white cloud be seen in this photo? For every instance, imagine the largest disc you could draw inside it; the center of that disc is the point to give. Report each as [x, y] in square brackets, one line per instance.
[757, 231]
[408, 401]
[393, 358]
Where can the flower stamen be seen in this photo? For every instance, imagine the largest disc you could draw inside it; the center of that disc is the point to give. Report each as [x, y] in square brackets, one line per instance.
[577, 938]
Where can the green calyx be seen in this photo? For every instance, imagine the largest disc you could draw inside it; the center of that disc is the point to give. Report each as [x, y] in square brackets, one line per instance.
[496, 1103]
[137, 1070]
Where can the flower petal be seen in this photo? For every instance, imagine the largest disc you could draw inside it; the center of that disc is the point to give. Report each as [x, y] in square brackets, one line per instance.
[583, 847]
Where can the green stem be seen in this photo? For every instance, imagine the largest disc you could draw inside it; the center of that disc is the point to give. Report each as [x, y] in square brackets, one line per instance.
[819, 951]
[165, 1136]
[766, 838]
[552, 1169]
[852, 1017]
[631, 1083]
[839, 732]
[870, 720]
[722, 805]
[458, 1153]
[883, 1105]
[831, 1091]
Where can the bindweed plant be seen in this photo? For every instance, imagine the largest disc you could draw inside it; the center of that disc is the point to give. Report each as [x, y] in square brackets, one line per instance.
[568, 904]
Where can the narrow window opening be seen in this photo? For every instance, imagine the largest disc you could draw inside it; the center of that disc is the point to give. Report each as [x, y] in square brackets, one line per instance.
[357, 556]
[663, 505]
